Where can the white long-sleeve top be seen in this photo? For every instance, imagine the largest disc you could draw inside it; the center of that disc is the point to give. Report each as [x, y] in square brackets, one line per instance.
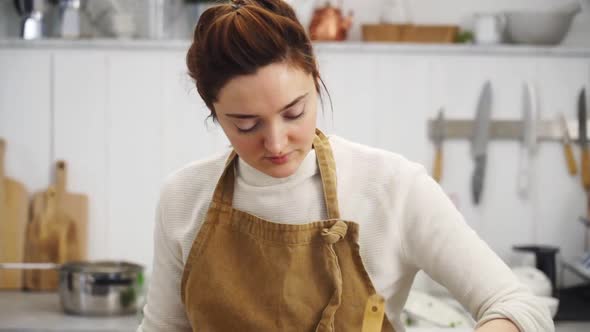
[407, 224]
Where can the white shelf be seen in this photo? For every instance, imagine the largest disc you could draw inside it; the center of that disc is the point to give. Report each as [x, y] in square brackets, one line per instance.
[323, 47]
[96, 44]
[456, 49]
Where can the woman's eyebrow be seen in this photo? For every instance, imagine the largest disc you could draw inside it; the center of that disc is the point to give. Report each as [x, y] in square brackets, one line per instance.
[250, 116]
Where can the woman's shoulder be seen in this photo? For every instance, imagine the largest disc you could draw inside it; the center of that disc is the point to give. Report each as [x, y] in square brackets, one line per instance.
[196, 178]
[374, 161]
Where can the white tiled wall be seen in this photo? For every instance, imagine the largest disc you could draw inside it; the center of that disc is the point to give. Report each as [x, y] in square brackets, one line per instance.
[125, 119]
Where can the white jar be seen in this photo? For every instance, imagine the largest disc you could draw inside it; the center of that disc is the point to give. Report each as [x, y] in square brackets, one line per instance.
[394, 11]
[489, 28]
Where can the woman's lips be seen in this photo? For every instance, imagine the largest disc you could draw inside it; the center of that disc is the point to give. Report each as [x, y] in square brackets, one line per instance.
[279, 160]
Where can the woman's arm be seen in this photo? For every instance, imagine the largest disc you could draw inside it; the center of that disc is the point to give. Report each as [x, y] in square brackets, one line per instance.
[164, 310]
[498, 325]
[435, 238]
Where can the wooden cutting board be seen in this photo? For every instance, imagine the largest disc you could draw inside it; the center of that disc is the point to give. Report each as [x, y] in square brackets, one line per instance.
[57, 232]
[13, 221]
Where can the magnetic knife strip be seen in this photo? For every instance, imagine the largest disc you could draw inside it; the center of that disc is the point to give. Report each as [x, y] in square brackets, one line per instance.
[546, 130]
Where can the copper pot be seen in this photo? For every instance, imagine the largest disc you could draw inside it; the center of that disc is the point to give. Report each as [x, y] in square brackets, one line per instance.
[329, 24]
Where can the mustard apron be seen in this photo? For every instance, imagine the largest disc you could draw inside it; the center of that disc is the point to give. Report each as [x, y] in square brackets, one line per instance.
[244, 273]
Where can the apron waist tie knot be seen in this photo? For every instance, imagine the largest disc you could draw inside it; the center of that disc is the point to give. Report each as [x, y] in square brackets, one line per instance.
[335, 233]
[331, 236]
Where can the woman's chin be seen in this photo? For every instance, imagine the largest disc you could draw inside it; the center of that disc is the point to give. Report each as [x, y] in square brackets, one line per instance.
[280, 171]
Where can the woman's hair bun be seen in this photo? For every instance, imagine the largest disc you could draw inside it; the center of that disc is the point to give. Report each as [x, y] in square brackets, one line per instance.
[239, 37]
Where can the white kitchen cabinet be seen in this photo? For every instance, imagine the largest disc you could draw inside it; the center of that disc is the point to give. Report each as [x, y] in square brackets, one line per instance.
[25, 115]
[80, 135]
[134, 157]
[126, 116]
[124, 121]
[403, 102]
[187, 134]
[354, 102]
[107, 125]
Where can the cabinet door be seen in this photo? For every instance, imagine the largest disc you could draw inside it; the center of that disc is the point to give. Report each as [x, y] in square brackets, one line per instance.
[353, 97]
[134, 152]
[402, 105]
[25, 115]
[80, 135]
[379, 99]
[187, 134]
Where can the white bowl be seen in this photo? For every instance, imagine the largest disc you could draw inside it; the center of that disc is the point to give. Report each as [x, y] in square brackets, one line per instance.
[539, 28]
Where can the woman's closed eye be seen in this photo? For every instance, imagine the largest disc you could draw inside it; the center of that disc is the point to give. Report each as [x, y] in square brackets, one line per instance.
[247, 126]
[294, 114]
[250, 126]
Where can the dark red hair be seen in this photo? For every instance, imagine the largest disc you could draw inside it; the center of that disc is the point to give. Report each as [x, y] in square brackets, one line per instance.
[239, 37]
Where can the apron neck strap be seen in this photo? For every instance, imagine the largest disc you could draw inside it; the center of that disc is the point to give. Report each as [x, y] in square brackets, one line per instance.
[224, 190]
[327, 166]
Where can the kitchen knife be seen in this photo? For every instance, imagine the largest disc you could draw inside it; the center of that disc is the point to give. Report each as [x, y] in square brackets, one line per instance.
[479, 144]
[529, 139]
[585, 168]
[438, 136]
[567, 146]
[583, 136]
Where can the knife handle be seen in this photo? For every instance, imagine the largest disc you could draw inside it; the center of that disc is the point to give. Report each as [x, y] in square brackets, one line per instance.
[586, 168]
[437, 171]
[569, 157]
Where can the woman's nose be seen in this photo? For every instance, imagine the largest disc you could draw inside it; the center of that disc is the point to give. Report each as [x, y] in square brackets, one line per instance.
[275, 140]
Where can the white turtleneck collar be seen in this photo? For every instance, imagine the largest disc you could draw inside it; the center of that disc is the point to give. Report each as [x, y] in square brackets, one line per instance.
[250, 176]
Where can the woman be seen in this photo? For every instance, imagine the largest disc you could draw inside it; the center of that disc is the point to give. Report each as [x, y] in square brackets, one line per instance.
[296, 231]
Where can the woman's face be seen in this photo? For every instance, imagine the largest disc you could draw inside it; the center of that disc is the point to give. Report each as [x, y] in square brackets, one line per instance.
[270, 117]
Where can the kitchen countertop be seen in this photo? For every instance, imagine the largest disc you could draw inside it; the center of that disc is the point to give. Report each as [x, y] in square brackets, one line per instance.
[320, 47]
[41, 312]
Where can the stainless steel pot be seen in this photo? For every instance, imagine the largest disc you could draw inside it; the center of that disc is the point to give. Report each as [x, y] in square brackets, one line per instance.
[101, 288]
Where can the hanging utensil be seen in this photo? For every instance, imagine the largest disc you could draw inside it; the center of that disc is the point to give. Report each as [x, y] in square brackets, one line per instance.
[585, 167]
[529, 139]
[438, 137]
[479, 144]
[567, 146]
[583, 136]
